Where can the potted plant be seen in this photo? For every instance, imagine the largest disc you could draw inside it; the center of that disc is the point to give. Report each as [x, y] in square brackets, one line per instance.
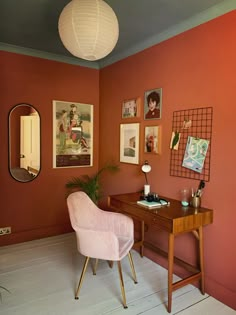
[90, 184]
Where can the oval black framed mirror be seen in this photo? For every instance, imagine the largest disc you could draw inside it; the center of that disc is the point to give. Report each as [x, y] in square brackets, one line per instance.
[24, 142]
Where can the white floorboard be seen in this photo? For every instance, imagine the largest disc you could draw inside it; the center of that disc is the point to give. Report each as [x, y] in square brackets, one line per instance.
[42, 276]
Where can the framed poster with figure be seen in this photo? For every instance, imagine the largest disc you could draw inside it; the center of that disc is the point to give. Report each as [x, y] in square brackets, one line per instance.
[72, 134]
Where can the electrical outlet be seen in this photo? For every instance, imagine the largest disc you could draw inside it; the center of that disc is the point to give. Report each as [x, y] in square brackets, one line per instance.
[5, 230]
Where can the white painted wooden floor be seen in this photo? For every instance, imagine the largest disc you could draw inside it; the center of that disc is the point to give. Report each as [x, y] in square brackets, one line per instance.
[42, 275]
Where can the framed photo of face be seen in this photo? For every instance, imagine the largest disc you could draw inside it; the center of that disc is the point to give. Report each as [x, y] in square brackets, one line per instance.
[130, 108]
[153, 104]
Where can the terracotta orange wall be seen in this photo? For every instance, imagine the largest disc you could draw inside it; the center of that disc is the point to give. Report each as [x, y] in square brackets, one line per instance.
[195, 69]
[38, 208]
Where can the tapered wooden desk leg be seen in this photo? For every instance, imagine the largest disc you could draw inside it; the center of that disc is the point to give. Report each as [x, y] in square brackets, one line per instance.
[142, 238]
[170, 269]
[201, 257]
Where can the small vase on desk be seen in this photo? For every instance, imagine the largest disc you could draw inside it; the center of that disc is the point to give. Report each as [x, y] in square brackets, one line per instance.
[184, 197]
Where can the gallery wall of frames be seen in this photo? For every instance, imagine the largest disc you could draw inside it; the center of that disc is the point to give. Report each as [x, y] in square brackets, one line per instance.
[130, 130]
[190, 140]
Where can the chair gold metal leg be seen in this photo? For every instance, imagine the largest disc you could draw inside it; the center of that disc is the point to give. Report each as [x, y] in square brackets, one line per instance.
[81, 278]
[95, 267]
[142, 238]
[132, 267]
[122, 284]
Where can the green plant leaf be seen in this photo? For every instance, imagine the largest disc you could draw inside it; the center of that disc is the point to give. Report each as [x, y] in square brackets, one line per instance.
[90, 184]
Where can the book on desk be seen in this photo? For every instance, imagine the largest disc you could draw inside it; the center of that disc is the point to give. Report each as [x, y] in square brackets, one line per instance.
[153, 204]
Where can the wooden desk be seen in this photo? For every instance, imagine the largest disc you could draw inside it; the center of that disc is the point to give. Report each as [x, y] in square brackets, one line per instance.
[174, 219]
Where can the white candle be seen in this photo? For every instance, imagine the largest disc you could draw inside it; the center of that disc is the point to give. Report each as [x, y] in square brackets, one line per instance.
[146, 189]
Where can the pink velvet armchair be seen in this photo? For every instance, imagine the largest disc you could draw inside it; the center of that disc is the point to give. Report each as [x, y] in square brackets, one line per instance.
[101, 235]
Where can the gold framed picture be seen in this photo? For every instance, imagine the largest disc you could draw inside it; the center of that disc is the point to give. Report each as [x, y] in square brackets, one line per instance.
[152, 139]
[131, 108]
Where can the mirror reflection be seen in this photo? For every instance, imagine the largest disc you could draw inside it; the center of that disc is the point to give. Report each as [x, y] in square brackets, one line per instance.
[24, 142]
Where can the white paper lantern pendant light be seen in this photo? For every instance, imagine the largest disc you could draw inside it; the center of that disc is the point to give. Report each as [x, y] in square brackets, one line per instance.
[88, 29]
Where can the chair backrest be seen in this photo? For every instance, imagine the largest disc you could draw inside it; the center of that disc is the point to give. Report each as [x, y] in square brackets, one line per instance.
[100, 234]
[83, 212]
[87, 220]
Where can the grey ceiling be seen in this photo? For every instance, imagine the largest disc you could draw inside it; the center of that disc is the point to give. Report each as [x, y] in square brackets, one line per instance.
[32, 24]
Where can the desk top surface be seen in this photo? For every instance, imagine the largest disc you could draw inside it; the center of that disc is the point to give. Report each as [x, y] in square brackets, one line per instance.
[174, 217]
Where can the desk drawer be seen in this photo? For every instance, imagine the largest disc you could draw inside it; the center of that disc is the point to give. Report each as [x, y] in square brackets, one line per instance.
[174, 218]
[118, 206]
[149, 216]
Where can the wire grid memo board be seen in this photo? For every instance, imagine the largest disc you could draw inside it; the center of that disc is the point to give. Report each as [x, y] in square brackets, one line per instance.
[201, 127]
